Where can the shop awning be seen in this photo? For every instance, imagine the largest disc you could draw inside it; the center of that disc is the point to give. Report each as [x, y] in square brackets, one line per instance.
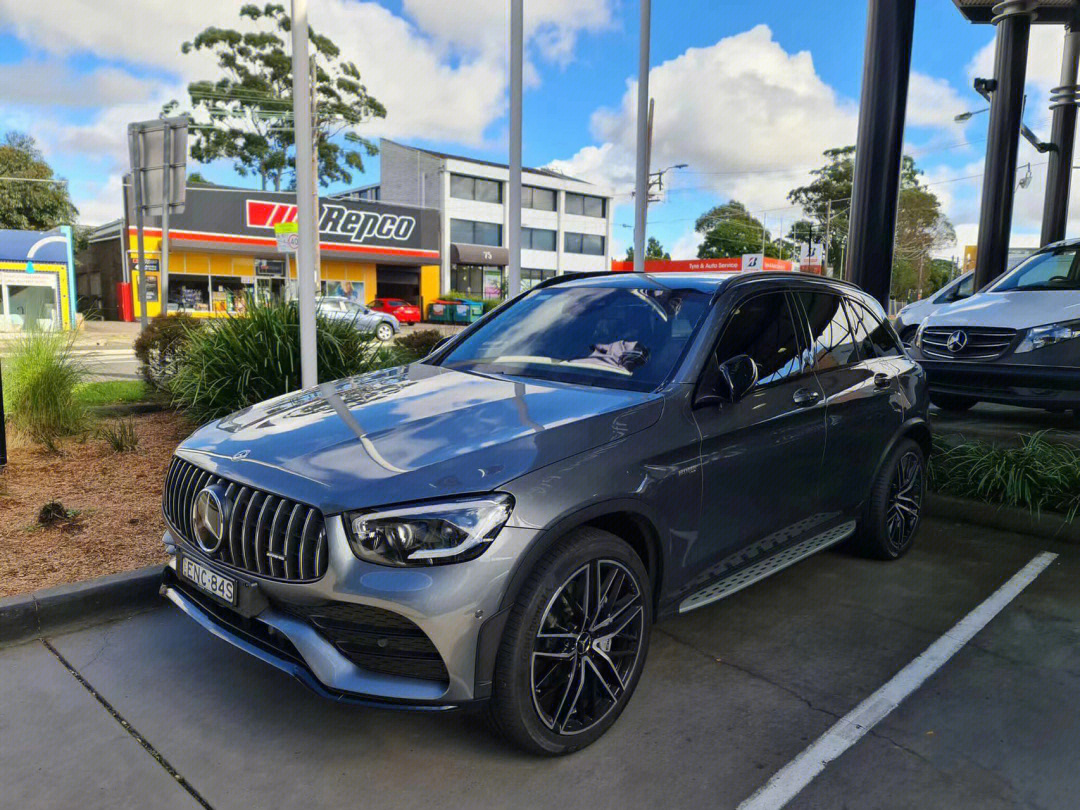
[479, 254]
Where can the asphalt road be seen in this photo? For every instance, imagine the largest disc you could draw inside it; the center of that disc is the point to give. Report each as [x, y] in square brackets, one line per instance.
[731, 694]
[111, 363]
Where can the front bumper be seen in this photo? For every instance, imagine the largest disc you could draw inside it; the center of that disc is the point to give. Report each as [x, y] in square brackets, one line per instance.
[455, 606]
[1006, 383]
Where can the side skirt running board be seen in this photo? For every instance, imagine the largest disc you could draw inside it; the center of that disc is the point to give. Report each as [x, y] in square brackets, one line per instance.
[755, 572]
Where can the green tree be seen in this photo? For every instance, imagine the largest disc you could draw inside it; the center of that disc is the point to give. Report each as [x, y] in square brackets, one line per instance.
[245, 115]
[28, 205]
[921, 226]
[730, 230]
[653, 250]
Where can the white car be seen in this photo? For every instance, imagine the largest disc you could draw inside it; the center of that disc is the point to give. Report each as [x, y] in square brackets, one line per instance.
[1016, 342]
[909, 318]
[383, 324]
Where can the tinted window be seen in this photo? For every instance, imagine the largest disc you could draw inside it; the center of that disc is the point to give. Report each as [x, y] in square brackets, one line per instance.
[1055, 270]
[614, 337]
[583, 243]
[872, 336]
[475, 233]
[475, 188]
[763, 328]
[831, 337]
[584, 205]
[539, 198]
[537, 239]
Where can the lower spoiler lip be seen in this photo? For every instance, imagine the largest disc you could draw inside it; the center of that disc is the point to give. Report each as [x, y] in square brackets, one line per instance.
[289, 667]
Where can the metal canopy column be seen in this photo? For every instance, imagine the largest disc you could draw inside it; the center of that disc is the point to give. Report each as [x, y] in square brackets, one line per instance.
[1013, 21]
[1063, 101]
[876, 185]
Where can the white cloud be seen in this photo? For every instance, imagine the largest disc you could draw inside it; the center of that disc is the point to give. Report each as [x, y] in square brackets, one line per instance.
[686, 246]
[50, 83]
[933, 102]
[735, 111]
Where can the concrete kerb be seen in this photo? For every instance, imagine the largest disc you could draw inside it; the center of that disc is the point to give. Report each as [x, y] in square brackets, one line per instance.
[1047, 525]
[50, 610]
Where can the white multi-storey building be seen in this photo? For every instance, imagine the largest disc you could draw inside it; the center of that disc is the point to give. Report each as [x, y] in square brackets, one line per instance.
[566, 223]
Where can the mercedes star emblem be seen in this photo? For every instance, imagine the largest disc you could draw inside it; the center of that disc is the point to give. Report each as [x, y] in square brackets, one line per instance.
[208, 518]
[957, 341]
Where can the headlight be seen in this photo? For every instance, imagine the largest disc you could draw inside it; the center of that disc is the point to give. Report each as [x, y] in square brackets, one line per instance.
[428, 534]
[1048, 335]
[919, 332]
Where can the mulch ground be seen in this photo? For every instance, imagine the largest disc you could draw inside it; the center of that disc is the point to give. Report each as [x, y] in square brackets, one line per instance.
[112, 500]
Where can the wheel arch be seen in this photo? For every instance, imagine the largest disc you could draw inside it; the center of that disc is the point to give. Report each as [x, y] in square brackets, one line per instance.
[628, 519]
[916, 428]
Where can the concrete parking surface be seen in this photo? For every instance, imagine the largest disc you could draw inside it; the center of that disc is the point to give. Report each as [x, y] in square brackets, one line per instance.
[730, 694]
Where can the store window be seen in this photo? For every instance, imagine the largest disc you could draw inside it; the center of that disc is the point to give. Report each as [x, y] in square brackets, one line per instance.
[537, 239]
[189, 293]
[228, 294]
[467, 231]
[541, 199]
[585, 205]
[31, 306]
[587, 243]
[475, 188]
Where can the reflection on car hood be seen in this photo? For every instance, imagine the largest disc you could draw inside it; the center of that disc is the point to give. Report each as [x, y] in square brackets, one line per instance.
[412, 433]
[1010, 310]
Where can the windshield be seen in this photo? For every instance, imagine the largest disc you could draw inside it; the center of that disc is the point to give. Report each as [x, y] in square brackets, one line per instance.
[615, 337]
[1053, 270]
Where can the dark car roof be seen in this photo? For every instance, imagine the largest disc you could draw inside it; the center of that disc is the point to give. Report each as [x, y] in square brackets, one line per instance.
[706, 282]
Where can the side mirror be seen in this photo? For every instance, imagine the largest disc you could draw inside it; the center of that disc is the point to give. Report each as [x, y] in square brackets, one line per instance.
[737, 376]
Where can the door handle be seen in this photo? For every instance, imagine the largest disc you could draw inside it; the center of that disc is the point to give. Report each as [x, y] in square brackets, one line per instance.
[804, 397]
[882, 380]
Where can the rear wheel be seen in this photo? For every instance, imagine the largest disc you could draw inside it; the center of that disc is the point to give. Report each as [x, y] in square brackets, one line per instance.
[894, 512]
[574, 645]
[952, 402]
[384, 331]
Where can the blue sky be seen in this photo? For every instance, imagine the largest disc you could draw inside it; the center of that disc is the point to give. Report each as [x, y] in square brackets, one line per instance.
[748, 93]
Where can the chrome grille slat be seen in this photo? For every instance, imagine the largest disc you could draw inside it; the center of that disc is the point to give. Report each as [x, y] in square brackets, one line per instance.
[983, 343]
[287, 546]
[266, 534]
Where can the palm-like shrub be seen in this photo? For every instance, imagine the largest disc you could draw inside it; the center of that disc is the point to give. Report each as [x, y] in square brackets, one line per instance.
[41, 375]
[1038, 474]
[240, 360]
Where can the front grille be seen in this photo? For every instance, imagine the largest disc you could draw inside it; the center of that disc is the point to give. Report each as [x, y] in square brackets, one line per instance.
[377, 640]
[983, 343]
[264, 534]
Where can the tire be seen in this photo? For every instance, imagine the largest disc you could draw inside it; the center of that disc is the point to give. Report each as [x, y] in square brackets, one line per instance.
[384, 331]
[952, 402]
[562, 706]
[887, 530]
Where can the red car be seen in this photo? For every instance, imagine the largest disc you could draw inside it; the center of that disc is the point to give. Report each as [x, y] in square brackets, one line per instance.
[402, 310]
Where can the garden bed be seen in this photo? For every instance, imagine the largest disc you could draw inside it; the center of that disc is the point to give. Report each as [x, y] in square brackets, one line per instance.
[113, 501]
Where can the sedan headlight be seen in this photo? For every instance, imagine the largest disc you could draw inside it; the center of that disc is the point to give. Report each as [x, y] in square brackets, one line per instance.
[1048, 335]
[919, 332]
[428, 534]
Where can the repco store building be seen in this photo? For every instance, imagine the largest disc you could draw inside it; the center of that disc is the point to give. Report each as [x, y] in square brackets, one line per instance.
[222, 248]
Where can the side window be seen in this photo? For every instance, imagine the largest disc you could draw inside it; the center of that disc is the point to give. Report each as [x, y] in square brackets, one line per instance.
[872, 336]
[763, 328]
[831, 338]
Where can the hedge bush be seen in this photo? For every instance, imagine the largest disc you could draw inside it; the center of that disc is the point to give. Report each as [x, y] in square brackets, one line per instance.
[240, 360]
[419, 344]
[159, 345]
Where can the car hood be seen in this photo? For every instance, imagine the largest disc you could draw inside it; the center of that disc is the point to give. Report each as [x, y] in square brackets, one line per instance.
[412, 433]
[914, 312]
[1010, 310]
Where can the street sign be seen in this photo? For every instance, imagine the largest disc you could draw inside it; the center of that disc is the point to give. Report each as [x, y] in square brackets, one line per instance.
[288, 236]
[159, 162]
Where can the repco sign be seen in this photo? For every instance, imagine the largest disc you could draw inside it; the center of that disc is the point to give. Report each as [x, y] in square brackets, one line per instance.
[336, 220]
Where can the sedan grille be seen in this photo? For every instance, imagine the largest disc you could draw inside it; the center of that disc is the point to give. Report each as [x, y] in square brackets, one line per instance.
[264, 534]
[974, 343]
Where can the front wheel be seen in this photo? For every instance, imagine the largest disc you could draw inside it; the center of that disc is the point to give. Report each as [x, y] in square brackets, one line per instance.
[384, 331]
[574, 645]
[952, 402]
[894, 511]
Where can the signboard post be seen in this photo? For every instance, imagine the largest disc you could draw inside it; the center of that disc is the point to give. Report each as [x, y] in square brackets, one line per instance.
[288, 242]
[158, 151]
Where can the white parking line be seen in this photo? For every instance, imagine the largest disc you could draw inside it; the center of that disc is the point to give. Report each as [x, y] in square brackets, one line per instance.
[797, 774]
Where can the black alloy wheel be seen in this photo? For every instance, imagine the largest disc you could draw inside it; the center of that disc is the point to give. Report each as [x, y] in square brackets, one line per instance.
[905, 501]
[587, 647]
[574, 644]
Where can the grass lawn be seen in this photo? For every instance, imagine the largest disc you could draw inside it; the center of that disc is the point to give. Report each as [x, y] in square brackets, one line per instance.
[111, 392]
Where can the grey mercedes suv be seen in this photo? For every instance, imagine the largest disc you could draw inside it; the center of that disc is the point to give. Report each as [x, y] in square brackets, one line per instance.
[502, 522]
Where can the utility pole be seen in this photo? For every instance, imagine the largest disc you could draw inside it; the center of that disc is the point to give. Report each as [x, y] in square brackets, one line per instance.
[513, 238]
[641, 198]
[828, 228]
[308, 249]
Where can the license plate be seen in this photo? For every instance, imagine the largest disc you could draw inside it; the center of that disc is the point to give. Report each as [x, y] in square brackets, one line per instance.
[208, 580]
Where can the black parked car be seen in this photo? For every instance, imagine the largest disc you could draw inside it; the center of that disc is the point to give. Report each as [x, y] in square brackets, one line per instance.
[504, 520]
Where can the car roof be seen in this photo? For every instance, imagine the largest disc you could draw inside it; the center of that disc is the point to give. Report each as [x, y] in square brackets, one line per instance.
[705, 281]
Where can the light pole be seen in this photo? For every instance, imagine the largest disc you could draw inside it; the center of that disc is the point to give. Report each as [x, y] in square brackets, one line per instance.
[308, 249]
[513, 237]
[641, 186]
